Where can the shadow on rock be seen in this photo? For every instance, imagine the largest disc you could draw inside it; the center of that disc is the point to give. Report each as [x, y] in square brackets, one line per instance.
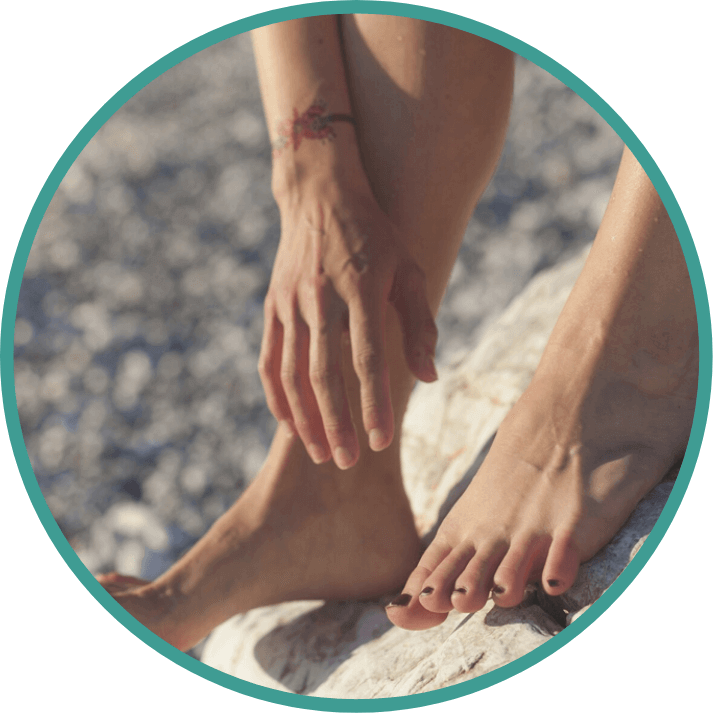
[304, 652]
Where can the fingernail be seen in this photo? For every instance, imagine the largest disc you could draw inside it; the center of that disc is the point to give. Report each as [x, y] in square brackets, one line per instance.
[377, 439]
[553, 582]
[401, 601]
[343, 458]
[318, 454]
[426, 591]
[497, 589]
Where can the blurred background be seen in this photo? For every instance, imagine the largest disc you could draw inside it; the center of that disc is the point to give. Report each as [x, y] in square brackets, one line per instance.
[140, 314]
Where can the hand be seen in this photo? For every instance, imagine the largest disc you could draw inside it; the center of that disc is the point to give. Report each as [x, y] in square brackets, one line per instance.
[339, 263]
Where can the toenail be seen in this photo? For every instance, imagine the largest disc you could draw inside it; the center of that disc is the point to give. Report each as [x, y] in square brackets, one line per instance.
[553, 582]
[461, 590]
[497, 589]
[401, 601]
[426, 591]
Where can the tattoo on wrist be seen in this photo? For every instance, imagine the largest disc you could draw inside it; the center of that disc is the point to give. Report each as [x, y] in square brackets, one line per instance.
[314, 123]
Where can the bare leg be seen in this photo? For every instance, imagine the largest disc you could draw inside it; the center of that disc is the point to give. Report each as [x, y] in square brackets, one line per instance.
[432, 106]
[607, 414]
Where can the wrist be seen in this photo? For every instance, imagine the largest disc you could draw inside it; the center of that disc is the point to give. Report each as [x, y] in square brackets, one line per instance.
[316, 146]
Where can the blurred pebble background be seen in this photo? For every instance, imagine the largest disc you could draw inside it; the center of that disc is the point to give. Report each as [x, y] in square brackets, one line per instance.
[140, 315]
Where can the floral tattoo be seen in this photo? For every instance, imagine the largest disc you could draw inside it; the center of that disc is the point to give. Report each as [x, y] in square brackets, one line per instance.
[314, 123]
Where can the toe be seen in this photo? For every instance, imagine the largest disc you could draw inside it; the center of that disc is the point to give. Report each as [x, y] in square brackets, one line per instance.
[472, 587]
[437, 589]
[514, 571]
[561, 566]
[406, 610]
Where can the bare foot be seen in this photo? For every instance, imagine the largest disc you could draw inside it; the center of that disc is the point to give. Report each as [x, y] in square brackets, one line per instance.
[300, 531]
[607, 414]
[551, 492]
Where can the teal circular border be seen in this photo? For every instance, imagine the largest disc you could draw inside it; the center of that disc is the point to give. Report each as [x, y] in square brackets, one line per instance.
[378, 8]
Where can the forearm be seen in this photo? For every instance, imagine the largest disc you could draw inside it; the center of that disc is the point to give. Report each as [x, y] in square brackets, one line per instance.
[302, 74]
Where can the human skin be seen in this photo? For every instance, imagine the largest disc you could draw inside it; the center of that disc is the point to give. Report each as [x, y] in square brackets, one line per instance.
[606, 416]
[369, 217]
[397, 193]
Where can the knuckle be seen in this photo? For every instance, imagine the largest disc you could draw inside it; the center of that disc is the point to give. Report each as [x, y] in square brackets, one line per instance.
[265, 362]
[359, 284]
[272, 404]
[318, 284]
[338, 431]
[367, 361]
[269, 302]
[286, 296]
[325, 378]
[263, 369]
[290, 378]
[321, 295]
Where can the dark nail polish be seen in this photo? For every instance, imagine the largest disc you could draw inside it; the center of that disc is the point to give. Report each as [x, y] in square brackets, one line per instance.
[401, 601]
[461, 590]
[426, 591]
[553, 582]
[497, 589]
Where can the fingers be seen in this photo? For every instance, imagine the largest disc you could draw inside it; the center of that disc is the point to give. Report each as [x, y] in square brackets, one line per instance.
[367, 315]
[269, 368]
[326, 378]
[300, 369]
[294, 374]
[408, 295]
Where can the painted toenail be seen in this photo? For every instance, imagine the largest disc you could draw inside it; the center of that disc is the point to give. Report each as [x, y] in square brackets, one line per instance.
[497, 589]
[553, 582]
[401, 601]
[461, 590]
[426, 591]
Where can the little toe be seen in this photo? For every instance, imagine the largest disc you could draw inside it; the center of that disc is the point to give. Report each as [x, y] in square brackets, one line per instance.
[561, 566]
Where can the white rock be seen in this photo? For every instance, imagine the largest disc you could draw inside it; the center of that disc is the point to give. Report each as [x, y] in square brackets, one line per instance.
[349, 649]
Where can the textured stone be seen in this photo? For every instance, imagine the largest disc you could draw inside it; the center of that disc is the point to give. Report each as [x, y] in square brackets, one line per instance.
[350, 649]
[347, 649]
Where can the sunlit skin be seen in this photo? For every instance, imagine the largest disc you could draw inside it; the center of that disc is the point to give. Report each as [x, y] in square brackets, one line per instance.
[372, 216]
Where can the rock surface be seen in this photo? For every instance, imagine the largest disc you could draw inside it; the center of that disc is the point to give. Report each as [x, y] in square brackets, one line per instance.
[350, 649]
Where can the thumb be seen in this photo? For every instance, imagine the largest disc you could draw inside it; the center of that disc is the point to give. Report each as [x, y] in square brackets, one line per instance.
[408, 295]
